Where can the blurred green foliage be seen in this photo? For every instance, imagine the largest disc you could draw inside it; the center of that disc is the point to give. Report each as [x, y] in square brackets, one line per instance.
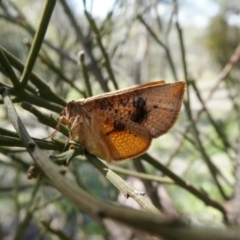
[221, 39]
[135, 42]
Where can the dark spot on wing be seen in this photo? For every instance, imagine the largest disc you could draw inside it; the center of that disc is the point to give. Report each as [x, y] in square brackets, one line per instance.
[138, 116]
[105, 104]
[118, 126]
[124, 101]
[139, 103]
[140, 112]
[155, 106]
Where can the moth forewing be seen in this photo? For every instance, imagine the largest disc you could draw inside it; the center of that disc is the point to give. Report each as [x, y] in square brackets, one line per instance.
[127, 90]
[163, 107]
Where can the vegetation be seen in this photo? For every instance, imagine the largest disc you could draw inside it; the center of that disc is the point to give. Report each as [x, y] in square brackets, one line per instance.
[185, 187]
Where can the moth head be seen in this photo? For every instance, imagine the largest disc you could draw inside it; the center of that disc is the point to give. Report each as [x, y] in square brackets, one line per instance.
[71, 110]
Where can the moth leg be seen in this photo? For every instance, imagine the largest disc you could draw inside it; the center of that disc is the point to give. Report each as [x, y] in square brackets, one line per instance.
[66, 143]
[63, 120]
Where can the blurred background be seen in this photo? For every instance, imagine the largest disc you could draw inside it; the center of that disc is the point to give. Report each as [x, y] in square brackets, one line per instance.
[127, 43]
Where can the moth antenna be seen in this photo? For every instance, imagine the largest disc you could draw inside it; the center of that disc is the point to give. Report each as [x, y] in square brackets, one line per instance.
[56, 129]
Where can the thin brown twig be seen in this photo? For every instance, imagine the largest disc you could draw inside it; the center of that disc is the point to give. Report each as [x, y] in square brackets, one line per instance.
[95, 69]
[223, 74]
[184, 184]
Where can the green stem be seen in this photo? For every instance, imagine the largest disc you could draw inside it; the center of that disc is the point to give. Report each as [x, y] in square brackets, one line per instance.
[37, 41]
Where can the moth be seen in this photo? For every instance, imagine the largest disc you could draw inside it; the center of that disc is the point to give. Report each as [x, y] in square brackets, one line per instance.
[121, 124]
